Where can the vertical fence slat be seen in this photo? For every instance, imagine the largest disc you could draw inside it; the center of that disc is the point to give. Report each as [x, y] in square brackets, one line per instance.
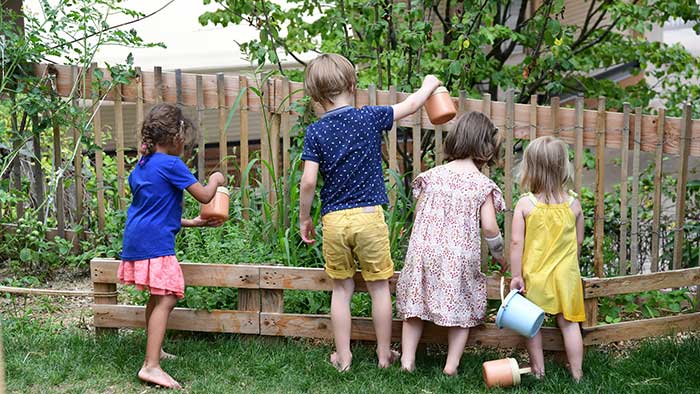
[17, 175]
[416, 136]
[243, 85]
[274, 143]
[139, 99]
[265, 143]
[658, 176]
[439, 155]
[97, 135]
[393, 164]
[508, 170]
[202, 143]
[686, 127]
[119, 131]
[578, 150]
[486, 110]
[599, 219]
[634, 229]
[554, 110]
[222, 122]
[105, 300]
[158, 84]
[286, 126]
[624, 164]
[533, 117]
[39, 179]
[78, 158]
[57, 163]
[178, 88]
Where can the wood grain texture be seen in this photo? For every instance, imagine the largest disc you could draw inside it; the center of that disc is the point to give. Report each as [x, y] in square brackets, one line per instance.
[533, 117]
[640, 329]
[243, 83]
[220, 94]
[599, 219]
[508, 168]
[201, 144]
[658, 177]
[99, 159]
[104, 288]
[554, 105]
[603, 287]
[681, 189]
[624, 165]
[78, 158]
[578, 146]
[119, 135]
[634, 228]
[393, 150]
[184, 319]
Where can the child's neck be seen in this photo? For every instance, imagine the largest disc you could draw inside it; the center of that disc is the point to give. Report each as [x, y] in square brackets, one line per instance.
[463, 165]
[168, 150]
[342, 100]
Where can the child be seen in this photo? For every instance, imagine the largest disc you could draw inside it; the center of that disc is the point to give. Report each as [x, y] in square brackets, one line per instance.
[153, 219]
[346, 146]
[547, 236]
[441, 280]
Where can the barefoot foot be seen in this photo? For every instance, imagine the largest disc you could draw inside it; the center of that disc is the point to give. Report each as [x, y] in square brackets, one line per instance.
[449, 371]
[339, 363]
[385, 362]
[408, 365]
[166, 356]
[158, 377]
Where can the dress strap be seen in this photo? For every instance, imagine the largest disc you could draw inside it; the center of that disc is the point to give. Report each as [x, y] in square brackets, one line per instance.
[572, 197]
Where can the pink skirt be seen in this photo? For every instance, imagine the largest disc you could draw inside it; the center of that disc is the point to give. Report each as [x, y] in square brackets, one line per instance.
[160, 275]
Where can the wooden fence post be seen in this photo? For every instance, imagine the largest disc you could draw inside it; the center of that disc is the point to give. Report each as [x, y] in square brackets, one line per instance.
[658, 178]
[686, 132]
[276, 124]
[221, 100]
[57, 164]
[508, 167]
[533, 117]
[554, 111]
[243, 84]
[417, 142]
[78, 159]
[97, 130]
[624, 159]
[158, 84]
[486, 110]
[578, 149]
[285, 125]
[105, 300]
[634, 230]
[119, 134]
[201, 144]
[392, 148]
[599, 219]
[17, 175]
[38, 173]
[139, 101]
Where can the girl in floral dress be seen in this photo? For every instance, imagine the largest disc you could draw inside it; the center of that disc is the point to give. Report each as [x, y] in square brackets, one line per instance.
[441, 280]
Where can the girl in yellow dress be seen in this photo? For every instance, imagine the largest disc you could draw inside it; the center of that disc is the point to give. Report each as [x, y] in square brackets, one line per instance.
[546, 243]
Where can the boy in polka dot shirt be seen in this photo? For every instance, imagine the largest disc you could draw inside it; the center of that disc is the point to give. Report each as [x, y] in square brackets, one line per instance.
[345, 145]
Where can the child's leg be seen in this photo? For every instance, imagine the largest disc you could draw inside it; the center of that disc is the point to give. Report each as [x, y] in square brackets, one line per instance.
[573, 343]
[534, 349]
[341, 321]
[381, 317]
[410, 335]
[151, 371]
[457, 340]
[149, 308]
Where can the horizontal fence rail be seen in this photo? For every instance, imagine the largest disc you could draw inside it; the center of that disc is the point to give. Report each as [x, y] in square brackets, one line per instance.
[269, 281]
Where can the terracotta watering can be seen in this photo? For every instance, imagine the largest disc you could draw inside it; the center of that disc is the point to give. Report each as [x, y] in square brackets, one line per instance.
[503, 373]
[440, 107]
[217, 208]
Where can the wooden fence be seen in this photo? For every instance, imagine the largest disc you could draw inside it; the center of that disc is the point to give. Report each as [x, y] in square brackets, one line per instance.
[626, 131]
[261, 306]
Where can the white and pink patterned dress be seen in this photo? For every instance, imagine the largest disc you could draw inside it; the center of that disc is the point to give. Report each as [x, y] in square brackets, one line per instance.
[441, 280]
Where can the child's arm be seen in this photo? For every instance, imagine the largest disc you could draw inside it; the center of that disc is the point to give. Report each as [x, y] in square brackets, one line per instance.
[578, 212]
[204, 194]
[417, 99]
[516, 247]
[307, 189]
[492, 234]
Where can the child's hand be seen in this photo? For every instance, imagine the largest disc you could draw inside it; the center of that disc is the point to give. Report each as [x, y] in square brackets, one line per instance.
[501, 263]
[199, 222]
[308, 233]
[431, 81]
[517, 283]
[217, 178]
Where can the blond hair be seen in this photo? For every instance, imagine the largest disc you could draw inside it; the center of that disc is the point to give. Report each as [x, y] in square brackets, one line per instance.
[545, 167]
[475, 137]
[328, 76]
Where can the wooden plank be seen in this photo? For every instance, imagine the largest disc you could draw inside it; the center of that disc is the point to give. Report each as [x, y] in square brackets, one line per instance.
[17, 145]
[201, 145]
[178, 88]
[38, 178]
[99, 301]
[486, 109]
[624, 165]
[599, 219]
[417, 143]
[57, 164]
[139, 98]
[78, 157]
[158, 84]
[119, 135]
[533, 117]
[212, 275]
[243, 83]
[508, 168]
[640, 329]
[555, 116]
[681, 188]
[184, 319]
[439, 147]
[286, 125]
[658, 178]
[223, 165]
[603, 287]
[392, 148]
[276, 124]
[272, 301]
[578, 150]
[591, 307]
[319, 326]
[634, 230]
[97, 135]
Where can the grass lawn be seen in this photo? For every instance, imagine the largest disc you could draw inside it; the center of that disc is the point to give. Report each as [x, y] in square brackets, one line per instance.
[45, 358]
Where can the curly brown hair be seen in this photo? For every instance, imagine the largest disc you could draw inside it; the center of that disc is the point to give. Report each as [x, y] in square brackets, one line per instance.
[164, 125]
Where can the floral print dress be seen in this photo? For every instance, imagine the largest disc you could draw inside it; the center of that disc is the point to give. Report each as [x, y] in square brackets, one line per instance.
[441, 280]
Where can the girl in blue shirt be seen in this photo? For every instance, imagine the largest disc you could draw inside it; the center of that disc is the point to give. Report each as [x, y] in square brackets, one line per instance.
[153, 219]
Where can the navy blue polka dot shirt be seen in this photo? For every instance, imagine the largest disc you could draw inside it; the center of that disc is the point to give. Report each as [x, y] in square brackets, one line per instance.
[347, 144]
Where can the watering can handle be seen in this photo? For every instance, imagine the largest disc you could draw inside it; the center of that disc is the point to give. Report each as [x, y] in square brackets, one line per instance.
[503, 282]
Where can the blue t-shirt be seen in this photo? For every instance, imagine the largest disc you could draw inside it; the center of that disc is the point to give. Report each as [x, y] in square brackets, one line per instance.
[347, 144]
[153, 219]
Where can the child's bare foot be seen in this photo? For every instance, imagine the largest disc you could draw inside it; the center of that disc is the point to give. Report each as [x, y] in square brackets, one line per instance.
[385, 362]
[576, 375]
[408, 365]
[449, 370]
[340, 364]
[159, 377]
[166, 356]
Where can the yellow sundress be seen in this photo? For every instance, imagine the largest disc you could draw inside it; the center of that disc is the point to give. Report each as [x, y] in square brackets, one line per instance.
[550, 259]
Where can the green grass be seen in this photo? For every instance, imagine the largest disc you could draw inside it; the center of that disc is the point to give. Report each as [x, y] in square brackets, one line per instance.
[51, 359]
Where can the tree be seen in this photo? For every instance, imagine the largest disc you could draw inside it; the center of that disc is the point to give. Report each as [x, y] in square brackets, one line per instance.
[471, 44]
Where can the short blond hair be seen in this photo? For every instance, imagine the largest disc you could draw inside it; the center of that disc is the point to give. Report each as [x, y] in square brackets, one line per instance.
[328, 76]
[545, 167]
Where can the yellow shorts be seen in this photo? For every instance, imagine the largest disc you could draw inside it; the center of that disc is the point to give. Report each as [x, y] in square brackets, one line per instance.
[357, 234]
